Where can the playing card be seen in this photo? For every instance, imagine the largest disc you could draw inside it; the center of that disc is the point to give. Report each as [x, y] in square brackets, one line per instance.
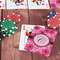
[16, 4]
[55, 3]
[41, 41]
[23, 37]
[38, 4]
[2, 4]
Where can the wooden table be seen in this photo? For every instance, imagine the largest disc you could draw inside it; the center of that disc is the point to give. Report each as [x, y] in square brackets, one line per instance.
[10, 45]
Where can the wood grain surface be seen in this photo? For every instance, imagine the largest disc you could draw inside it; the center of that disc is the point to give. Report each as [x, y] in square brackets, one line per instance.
[10, 45]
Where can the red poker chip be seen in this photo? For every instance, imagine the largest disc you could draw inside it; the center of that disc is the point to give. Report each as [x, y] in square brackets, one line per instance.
[13, 16]
[54, 22]
[4, 18]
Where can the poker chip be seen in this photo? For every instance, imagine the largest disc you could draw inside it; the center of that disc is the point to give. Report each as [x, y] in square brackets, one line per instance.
[51, 14]
[54, 22]
[5, 18]
[2, 34]
[9, 27]
[13, 16]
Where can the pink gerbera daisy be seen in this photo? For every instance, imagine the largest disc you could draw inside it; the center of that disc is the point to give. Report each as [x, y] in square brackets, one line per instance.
[36, 27]
[29, 47]
[45, 52]
[58, 1]
[53, 5]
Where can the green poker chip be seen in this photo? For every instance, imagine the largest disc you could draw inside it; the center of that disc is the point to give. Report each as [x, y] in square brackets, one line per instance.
[9, 27]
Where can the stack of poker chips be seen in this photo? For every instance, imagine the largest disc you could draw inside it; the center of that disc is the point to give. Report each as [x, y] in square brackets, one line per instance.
[17, 2]
[53, 20]
[8, 26]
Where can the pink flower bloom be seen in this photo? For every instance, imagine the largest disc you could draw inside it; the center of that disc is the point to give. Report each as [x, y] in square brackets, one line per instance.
[57, 1]
[45, 52]
[47, 31]
[51, 32]
[41, 32]
[36, 27]
[53, 5]
[29, 47]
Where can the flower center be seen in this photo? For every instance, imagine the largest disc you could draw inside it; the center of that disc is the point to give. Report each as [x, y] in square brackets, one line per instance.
[29, 46]
[36, 27]
[46, 30]
[46, 51]
[58, 1]
[51, 31]
[53, 5]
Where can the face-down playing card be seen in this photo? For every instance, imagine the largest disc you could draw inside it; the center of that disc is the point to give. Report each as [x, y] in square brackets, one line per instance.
[41, 41]
[16, 4]
[38, 4]
[55, 3]
[2, 4]
[23, 38]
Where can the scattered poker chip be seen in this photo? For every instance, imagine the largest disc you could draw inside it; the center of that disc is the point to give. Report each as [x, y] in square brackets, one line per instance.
[9, 27]
[54, 22]
[2, 34]
[13, 16]
[51, 14]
